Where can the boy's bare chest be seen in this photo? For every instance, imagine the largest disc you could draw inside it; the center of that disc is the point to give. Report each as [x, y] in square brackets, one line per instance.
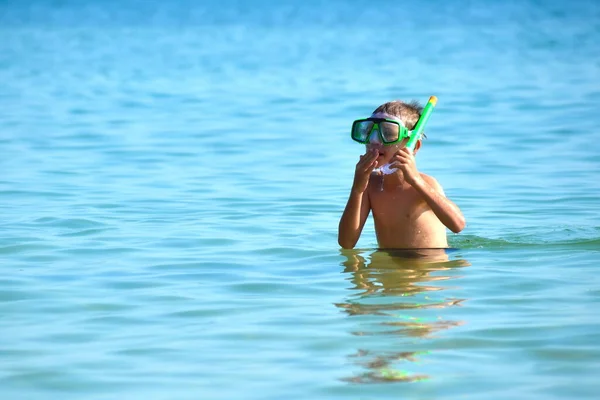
[393, 205]
[403, 219]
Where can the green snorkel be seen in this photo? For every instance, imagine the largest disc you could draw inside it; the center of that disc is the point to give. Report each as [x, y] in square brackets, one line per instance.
[418, 131]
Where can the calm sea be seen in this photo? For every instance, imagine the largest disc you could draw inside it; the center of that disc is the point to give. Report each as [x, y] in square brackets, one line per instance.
[172, 175]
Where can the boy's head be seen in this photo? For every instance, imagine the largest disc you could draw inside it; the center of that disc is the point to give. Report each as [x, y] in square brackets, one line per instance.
[406, 113]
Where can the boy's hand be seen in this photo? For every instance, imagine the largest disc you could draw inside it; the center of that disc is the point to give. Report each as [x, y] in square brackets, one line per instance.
[404, 160]
[364, 168]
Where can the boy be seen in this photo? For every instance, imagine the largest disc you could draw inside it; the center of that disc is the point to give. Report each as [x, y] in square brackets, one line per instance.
[409, 208]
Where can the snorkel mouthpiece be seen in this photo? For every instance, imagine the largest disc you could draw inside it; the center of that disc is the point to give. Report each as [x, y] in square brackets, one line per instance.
[420, 126]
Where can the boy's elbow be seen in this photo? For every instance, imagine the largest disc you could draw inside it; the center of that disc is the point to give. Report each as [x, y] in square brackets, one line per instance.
[457, 229]
[346, 244]
[458, 225]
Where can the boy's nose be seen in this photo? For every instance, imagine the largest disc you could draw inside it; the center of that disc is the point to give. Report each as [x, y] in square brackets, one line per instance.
[374, 137]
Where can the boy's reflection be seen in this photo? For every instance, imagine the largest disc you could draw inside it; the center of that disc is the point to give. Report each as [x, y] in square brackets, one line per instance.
[402, 288]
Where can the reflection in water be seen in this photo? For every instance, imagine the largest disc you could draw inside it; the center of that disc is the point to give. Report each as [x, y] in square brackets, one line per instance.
[398, 292]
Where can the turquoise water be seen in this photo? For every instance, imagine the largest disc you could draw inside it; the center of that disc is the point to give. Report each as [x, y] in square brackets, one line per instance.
[173, 175]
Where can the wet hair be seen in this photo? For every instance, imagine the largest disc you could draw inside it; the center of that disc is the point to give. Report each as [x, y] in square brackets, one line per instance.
[408, 113]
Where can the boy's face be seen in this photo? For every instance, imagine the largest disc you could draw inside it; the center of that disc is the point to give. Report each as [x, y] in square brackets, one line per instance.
[385, 152]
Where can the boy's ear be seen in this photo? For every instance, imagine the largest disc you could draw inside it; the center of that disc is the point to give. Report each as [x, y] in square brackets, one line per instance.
[417, 146]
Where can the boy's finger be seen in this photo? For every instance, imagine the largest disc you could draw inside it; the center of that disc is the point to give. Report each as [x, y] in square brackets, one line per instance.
[366, 160]
[369, 159]
[370, 166]
[396, 165]
[401, 167]
[405, 154]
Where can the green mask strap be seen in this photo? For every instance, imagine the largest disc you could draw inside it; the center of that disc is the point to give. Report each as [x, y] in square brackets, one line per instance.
[418, 131]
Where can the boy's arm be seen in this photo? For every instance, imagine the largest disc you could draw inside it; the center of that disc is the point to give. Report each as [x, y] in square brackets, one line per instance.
[353, 219]
[358, 206]
[446, 211]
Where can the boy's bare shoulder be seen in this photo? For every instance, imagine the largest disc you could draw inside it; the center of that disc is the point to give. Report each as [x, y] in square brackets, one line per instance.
[432, 182]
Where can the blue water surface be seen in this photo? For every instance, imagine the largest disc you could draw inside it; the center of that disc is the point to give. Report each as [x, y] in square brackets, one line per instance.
[173, 174]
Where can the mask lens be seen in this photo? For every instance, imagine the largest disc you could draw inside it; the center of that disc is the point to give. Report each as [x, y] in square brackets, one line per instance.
[389, 131]
[361, 130]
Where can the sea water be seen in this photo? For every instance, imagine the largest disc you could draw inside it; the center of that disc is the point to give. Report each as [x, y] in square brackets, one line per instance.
[173, 173]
